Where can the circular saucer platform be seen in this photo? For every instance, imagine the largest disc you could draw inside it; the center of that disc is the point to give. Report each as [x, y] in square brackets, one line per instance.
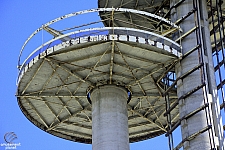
[158, 7]
[55, 80]
[126, 19]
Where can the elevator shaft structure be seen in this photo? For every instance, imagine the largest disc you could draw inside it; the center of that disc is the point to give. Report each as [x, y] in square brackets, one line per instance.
[200, 78]
[142, 70]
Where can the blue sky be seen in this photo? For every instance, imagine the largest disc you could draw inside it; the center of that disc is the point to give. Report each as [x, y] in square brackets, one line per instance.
[19, 18]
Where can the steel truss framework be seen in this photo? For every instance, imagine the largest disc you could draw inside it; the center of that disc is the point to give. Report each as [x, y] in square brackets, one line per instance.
[55, 79]
[216, 22]
[154, 112]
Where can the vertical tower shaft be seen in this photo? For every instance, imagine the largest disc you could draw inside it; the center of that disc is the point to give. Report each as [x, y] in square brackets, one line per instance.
[109, 118]
[202, 119]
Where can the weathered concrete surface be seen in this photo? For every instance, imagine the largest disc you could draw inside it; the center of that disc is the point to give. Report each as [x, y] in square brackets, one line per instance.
[109, 118]
[198, 121]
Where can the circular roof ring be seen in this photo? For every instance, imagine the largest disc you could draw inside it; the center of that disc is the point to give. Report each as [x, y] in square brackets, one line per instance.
[55, 78]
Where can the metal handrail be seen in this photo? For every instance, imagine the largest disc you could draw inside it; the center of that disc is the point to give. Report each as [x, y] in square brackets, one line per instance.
[99, 29]
[90, 11]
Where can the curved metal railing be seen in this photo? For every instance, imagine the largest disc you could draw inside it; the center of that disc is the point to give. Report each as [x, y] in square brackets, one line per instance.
[95, 32]
[91, 11]
[99, 32]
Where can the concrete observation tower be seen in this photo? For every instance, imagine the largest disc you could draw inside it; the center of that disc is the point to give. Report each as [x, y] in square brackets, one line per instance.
[139, 70]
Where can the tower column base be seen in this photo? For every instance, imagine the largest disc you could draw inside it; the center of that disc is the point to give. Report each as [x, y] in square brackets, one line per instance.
[109, 118]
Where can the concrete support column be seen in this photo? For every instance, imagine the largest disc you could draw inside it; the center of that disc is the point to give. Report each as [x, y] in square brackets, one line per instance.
[109, 118]
[196, 100]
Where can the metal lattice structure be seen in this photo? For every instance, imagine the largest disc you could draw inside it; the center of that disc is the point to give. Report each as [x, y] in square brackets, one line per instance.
[216, 25]
[55, 80]
[137, 45]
